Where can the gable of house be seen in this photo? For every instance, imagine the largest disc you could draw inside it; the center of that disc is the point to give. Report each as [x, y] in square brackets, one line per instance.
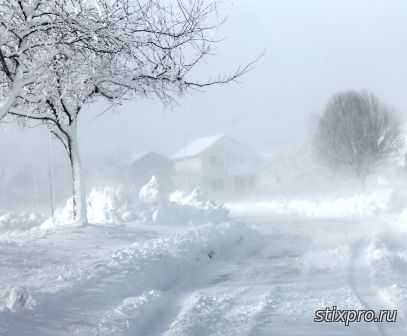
[221, 144]
[230, 157]
[197, 147]
[218, 164]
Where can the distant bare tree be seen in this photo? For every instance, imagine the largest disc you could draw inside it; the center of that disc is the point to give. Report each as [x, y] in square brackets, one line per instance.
[56, 56]
[356, 133]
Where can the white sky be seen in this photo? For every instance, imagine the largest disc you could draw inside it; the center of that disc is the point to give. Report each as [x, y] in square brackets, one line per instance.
[314, 48]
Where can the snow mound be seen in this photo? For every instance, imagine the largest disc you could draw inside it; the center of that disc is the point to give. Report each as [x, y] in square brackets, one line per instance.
[151, 192]
[105, 205]
[135, 282]
[19, 298]
[201, 314]
[194, 199]
[183, 208]
[206, 242]
[111, 205]
[62, 216]
[123, 205]
[132, 314]
[22, 221]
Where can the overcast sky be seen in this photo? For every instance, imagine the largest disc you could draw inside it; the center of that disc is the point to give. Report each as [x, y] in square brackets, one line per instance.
[313, 49]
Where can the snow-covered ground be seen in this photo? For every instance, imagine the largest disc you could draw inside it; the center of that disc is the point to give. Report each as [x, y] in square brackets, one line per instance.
[183, 266]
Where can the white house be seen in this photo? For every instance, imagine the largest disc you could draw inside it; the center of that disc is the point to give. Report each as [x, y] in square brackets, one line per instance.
[219, 165]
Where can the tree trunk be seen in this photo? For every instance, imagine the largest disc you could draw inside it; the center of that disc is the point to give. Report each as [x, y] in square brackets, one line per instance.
[78, 184]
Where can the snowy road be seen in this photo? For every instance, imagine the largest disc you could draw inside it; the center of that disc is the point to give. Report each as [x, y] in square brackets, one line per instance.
[303, 265]
[309, 265]
[213, 280]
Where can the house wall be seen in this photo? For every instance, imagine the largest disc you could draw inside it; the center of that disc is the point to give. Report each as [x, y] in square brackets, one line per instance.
[229, 170]
[187, 173]
[193, 165]
[228, 158]
[225, 170]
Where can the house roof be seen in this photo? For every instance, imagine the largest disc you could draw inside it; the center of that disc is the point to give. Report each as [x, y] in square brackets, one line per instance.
[197, 146]
[138, 156]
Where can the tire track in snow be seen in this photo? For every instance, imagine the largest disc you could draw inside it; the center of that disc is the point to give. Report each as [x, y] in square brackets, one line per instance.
[236, 298]
[362, 285]
[218, 312]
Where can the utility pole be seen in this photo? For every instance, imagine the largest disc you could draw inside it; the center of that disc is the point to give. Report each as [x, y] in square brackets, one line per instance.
[186, 189]
[51, 187]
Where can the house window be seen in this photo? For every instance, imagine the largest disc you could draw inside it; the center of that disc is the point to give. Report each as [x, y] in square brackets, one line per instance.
[216, 184]
[243, 183]
[251, 181]
[212, 160]
[240, 183]
[215, 161]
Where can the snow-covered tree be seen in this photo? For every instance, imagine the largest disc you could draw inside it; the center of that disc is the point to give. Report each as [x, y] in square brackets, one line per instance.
[356, 133]
[81, 50]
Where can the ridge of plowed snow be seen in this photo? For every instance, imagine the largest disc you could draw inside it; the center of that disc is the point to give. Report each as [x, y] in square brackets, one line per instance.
[124, 279]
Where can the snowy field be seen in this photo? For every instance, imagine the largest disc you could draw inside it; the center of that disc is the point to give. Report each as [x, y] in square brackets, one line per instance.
[184, 266]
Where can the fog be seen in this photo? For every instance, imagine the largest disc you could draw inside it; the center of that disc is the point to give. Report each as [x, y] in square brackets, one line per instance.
[249, 208]
[312, 50]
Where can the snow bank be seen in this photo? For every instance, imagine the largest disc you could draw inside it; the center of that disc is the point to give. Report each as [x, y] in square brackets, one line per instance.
[105, 205]
[150, 268]
[386, 256]
[169, 255]
[127, 288]
[123, 205]
[111, 205]
[183, 208]
[23, 221]
[369, 204]
[179, 207]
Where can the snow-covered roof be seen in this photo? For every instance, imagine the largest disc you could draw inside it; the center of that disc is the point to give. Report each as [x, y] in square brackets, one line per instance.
[138, 156]
[197, 146]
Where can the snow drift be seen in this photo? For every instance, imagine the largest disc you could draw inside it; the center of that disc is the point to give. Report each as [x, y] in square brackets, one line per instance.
[23, 221]
[347, 206]
[150, 205]
[121, 291]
